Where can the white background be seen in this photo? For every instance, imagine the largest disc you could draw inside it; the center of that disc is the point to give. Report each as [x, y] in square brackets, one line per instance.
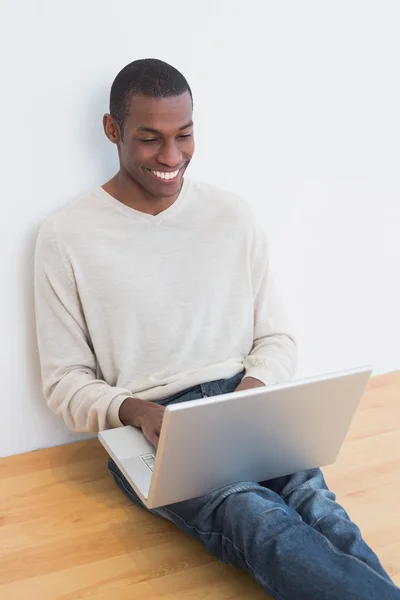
[296, 107]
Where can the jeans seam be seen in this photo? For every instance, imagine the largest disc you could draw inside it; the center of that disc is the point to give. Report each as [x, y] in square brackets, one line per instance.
[316, 522]
[340, 553]
[303, 486]
[224, 537]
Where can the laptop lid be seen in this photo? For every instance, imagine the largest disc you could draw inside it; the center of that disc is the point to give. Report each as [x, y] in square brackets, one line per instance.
[254, 435]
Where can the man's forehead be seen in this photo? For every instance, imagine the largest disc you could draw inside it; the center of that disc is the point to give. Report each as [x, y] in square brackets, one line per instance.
[153, 112]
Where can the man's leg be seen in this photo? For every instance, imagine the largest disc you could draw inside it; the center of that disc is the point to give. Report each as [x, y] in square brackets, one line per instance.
[307, 493]
[250, 526]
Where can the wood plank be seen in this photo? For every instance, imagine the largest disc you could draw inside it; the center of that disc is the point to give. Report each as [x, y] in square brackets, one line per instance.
[68, 533]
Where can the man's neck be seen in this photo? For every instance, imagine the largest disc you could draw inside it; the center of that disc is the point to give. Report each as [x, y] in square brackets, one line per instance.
[133, 195]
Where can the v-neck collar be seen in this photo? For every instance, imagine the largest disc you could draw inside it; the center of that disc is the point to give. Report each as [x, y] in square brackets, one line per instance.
[137, 214]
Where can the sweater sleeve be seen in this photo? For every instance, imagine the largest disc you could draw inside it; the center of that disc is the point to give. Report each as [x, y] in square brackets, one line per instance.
[273, 358]
[68, 362]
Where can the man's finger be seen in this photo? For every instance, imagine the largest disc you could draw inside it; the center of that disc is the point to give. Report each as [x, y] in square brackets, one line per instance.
[154, 437]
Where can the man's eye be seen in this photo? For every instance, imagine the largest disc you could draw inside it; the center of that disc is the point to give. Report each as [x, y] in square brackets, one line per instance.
[149, 141]
[186, 135]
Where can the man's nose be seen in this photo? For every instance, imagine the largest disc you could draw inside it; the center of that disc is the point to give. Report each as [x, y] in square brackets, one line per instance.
[170, 155]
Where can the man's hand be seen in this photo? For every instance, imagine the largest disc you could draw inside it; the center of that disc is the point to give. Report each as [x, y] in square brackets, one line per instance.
[144, 414]
[248, 383]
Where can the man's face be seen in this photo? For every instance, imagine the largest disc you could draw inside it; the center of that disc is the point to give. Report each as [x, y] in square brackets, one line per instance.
[157, 143]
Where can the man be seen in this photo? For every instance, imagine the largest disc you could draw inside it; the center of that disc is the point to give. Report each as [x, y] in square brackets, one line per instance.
[152, 289]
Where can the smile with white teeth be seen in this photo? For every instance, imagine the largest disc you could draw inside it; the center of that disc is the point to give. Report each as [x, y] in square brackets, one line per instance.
[165, 174]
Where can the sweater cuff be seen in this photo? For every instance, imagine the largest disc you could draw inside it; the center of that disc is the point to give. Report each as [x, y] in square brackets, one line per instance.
[262, 374]
[113, 411]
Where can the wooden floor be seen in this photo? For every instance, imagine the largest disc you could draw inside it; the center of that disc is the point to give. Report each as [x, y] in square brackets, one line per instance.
[67, 532]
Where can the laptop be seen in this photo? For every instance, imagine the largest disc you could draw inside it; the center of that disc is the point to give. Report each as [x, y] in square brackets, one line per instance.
[252, 435]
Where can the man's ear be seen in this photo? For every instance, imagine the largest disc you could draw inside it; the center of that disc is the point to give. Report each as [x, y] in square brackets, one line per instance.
[111, 129]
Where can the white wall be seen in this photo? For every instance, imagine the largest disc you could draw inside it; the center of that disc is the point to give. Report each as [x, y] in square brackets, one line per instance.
[296, 107]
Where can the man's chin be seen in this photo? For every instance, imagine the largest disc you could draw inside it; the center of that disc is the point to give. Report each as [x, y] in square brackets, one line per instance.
[164, 188]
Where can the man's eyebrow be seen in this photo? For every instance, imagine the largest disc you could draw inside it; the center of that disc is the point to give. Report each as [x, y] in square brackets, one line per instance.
[151, 130]
[186, 126]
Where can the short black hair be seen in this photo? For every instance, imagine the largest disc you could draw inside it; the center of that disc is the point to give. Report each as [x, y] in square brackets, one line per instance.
[145, 77]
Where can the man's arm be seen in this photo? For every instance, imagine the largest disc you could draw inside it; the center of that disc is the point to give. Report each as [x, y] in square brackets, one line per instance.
[273, 357]
[68, 363]
[249, 383]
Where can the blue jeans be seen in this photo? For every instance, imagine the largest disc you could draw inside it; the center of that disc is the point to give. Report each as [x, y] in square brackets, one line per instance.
[289, 533]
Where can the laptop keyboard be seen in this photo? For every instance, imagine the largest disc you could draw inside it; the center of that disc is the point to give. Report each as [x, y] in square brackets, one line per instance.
[148, 460]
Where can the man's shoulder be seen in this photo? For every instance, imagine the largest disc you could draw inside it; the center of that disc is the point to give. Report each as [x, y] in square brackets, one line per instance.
[70, 217]
[222, 201]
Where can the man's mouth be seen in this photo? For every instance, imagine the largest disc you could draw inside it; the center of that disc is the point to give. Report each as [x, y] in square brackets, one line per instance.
[166, 176]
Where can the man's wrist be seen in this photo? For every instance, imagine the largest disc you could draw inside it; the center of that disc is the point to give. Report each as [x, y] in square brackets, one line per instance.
[130, 412]
[249, 383]
[253, 381]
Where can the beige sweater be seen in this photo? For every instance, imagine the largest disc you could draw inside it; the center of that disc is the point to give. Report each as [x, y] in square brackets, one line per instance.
[130, 304]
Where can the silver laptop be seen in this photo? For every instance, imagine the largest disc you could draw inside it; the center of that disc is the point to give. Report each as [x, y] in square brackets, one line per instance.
[243, 436]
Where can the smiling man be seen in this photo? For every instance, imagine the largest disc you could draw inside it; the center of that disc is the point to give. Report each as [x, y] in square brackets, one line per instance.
[154, 289]
[155, 145]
